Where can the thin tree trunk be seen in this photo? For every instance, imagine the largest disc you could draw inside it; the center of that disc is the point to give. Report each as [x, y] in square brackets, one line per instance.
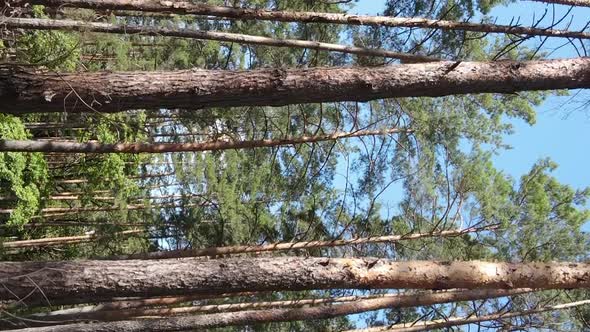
[187, 323]
[110, 198]
[94, 147]
[99, 313]
[215, 251]
[580, 3]
[130, 303]
[186, 7]
[458, 321]
[58, 212]
[23, 90]
[59, 241]
[47, 24]
[59, 223]
[96, 209]
[97, 279]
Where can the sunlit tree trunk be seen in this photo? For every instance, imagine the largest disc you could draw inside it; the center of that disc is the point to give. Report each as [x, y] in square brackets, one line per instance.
[103, 279]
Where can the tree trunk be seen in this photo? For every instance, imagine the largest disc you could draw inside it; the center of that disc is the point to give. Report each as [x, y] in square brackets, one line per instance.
[186, 7]
[189, 323]
[458, 321]
[59, 241]
[99, 313]
[580, 3]
[98, 209]
[216, 251]
[103, 279]
[130, 303]
[95, 147]
[47, 24]
[23, 90]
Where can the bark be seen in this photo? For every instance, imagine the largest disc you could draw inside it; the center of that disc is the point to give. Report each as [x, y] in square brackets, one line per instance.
[97, 209]
[23, 90]
[186, 7]
[580, 3]
[216, 251]
[187, 323]
[59, 223]
[110, 198]
[47, 24]
[458, 321]
[95, 147]
[99, 313]
[58, 241]
[135, 302]
[103, 279]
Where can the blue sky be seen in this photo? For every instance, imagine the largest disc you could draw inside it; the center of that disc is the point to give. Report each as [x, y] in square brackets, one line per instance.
[562, 131]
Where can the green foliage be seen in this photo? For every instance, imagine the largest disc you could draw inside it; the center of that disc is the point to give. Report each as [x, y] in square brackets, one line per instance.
[22, 175]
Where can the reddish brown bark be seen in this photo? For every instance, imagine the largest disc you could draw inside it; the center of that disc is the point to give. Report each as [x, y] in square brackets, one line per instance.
[24, 91]
[103, 279]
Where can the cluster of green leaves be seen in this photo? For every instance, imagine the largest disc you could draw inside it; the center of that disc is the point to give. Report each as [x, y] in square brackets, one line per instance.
[23, 176]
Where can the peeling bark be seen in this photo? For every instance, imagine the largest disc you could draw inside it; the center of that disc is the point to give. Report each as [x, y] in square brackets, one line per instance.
[150, 278]
[23, 90]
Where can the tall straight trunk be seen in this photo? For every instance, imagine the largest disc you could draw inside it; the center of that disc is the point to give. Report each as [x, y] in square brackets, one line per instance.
[103, 279]
[135, 302]
[186, 7]
[47, 24]
[215, 251]
[190, 323]
[60, 241]
[81, 223]
[580, 3]
[98, 313]
[23, 90]
[58, 212]
[97, 209]
[216, 145]
[458, 321]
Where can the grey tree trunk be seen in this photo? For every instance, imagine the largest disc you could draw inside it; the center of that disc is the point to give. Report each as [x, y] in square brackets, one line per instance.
[186, 7]
[23, 90]
[47, 24]
[199, 322]
[96, 280]
[96, 147]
